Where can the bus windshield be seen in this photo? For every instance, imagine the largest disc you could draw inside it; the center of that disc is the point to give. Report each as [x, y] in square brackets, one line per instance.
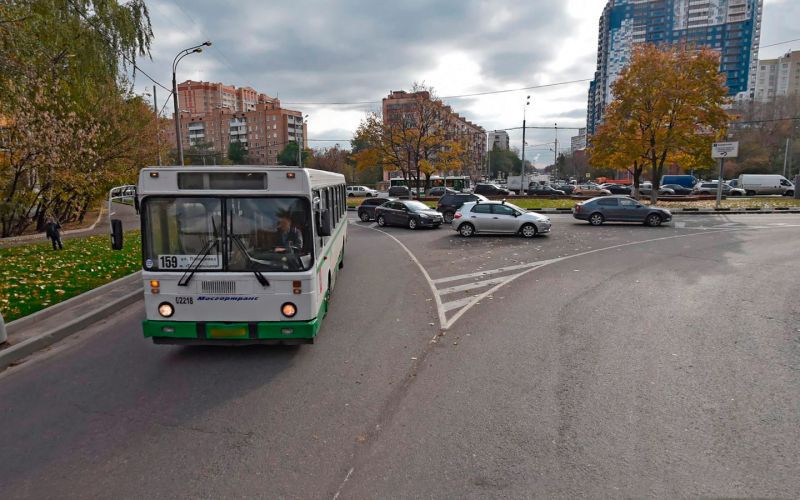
[252, 234]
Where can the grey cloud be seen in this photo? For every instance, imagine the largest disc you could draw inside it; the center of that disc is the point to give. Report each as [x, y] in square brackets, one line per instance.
[349, 50]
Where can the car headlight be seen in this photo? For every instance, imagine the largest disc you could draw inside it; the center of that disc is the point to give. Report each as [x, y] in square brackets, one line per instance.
[166, 309]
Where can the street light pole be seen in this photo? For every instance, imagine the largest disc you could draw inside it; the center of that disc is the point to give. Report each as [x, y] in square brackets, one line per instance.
[158, 127]
[522, 185]
[300, 142]
[181, 55]
[555, 157]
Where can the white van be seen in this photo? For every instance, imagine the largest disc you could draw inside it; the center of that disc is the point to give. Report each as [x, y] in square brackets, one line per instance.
[765, 184]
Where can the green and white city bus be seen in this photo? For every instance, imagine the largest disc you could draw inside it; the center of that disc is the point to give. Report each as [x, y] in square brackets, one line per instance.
[238, 254]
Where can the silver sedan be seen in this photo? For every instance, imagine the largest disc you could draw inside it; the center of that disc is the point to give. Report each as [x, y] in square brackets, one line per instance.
[498, 217]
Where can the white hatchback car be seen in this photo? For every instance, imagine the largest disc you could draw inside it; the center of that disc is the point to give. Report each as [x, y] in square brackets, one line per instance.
[360, 191]
[498, 217]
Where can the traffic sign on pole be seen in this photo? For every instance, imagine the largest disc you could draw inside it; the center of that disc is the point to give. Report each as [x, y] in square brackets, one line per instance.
[725, 150]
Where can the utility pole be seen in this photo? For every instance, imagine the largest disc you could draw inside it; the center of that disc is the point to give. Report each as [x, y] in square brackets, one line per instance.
[555, 154]
[158, 125]
[786, 156]
[522, 186]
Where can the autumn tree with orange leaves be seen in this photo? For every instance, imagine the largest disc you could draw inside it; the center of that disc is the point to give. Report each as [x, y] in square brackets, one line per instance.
[418, 142]
[667, 108]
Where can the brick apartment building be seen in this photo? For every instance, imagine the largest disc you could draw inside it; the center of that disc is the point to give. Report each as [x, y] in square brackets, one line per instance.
[401, 103]
[217, 114]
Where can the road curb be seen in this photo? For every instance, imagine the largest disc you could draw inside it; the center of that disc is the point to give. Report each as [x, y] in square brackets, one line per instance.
[34, 318]
[26, 348]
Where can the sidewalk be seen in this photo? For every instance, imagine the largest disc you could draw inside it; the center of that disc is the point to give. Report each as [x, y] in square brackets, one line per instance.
[100, 226]
[41, 329]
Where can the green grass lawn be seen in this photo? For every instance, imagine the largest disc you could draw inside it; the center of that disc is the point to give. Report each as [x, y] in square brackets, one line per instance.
[35, 276]
[732, 202]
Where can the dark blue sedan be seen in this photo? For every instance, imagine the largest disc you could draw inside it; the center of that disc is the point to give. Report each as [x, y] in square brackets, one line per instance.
[619, 209]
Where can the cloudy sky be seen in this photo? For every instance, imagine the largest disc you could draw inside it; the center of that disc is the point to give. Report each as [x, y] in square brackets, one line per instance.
[317, 54]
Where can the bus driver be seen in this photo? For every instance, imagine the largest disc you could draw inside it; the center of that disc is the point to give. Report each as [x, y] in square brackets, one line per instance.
[290, 239]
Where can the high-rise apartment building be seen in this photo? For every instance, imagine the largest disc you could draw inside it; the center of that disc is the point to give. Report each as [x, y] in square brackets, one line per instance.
[578, 142]
[499, 139]
[401, 105]
[778, 77]
[216, 115]
[731, 27]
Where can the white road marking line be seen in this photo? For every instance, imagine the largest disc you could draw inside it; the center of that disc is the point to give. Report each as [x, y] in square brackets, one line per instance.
[446, 324]
[455, 304]
[436, 298]
[472, 286]
[490, 272]
[339, 491]
[680, 225]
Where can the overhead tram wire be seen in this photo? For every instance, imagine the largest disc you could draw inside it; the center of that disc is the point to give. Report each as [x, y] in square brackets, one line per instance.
[460, 96]
[779, 43]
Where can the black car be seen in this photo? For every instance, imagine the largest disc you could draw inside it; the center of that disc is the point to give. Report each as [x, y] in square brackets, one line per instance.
[540, 190]
[678, 188]
[567, 188]
[490, 190]
[408, 213]
[440, 191]
[617, 188]
[401, 192]
[450, 203]
[366, 211]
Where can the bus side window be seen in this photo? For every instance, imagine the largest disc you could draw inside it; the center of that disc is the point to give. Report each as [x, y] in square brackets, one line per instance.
[335, 207]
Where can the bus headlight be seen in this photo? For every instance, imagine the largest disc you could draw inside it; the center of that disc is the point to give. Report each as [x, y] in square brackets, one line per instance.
[289, 310]
[165, 309]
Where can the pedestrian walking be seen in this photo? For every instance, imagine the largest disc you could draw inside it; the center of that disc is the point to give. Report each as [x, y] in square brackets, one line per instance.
[52, 231]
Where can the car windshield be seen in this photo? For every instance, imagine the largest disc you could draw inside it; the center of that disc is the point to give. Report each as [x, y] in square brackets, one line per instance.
[416, 206]
[251, 234]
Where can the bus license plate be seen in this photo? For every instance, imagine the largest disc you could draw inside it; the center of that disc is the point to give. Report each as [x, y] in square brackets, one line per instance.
[227, 332]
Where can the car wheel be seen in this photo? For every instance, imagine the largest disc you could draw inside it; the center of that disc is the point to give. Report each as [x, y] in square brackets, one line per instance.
[381, 221]
[653, 220]
[350, 195]
[364, 216]
[412, 223]
[448, 217]
[466, 229]
[736, 193]
[789, 193]
[750, 193]
[528, 230]
[596, 219]
[436, 226]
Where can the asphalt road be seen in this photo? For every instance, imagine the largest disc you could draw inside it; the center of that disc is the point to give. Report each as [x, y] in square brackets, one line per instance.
[618, 361]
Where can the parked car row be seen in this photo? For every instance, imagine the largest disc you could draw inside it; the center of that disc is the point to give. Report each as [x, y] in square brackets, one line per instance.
[470, 214]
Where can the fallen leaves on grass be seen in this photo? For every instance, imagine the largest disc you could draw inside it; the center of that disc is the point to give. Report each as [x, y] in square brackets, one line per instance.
[35, 276]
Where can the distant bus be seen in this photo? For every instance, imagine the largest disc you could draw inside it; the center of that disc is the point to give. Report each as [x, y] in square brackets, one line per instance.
[238, 255]
[457, 182]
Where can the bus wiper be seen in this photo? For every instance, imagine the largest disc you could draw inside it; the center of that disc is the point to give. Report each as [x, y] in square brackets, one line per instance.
[260, 277]
[198, 259]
